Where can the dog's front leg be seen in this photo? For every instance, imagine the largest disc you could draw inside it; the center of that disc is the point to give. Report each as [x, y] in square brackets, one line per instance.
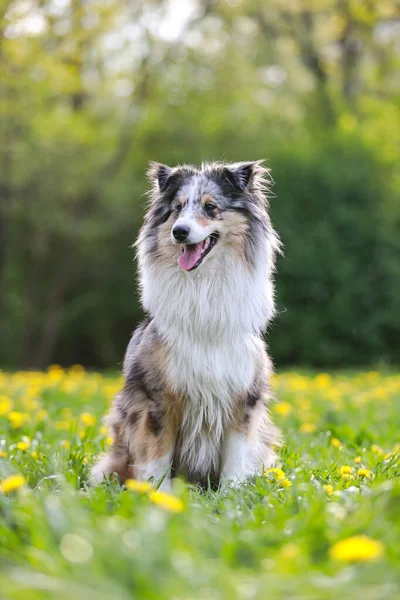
[153, 449]
[244, 456]
[158, 469]
[238, 459]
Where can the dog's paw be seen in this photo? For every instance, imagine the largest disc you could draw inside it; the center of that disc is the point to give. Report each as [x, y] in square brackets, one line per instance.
[99, 471]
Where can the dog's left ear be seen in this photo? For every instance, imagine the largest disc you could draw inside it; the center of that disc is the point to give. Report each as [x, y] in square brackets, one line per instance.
[241, 175]
[161, 175]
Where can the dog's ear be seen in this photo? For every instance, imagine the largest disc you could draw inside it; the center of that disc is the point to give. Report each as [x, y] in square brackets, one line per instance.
[161, 175]
[242, 174]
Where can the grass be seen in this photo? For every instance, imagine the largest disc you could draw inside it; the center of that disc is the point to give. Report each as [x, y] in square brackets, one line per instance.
[290, 534]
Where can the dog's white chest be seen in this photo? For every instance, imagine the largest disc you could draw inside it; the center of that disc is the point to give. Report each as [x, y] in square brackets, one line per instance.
[199, 369]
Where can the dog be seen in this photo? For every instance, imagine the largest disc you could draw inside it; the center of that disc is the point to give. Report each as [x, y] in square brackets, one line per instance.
[196, 370]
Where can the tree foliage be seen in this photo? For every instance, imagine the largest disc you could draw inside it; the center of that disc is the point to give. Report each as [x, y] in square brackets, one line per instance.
[92, 90]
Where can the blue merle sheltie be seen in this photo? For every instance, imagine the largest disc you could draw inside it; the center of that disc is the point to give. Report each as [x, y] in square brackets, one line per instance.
[196, 370]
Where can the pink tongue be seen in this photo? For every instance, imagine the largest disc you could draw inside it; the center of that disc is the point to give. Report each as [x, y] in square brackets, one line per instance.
[190, 256]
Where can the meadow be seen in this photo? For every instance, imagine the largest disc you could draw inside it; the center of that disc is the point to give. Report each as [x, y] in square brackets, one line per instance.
[325, 523]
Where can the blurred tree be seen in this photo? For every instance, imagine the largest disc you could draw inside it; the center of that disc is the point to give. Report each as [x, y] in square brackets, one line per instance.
[91, 90]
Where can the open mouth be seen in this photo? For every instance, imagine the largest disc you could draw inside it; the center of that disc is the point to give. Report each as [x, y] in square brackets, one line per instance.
[193, 254]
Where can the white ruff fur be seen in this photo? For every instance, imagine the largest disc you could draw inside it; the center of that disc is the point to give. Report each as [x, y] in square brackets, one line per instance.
[211, 320]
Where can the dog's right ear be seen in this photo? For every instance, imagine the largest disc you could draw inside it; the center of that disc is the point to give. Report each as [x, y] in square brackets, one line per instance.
[160, 175]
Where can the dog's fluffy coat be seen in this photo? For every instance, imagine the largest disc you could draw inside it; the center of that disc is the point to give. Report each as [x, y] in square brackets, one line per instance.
[196, 370]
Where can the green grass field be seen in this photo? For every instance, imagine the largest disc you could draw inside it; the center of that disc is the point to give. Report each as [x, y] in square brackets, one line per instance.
[325, 524]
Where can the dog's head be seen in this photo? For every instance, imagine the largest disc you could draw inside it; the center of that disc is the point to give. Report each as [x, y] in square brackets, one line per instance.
[196, 213]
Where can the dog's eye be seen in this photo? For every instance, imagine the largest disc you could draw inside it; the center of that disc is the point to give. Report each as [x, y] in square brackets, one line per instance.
[178, 208]
[209, 207]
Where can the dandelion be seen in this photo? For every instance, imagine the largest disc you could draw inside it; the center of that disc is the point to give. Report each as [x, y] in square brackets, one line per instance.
[336, 443]
[328, 489]
[3, 454]
[364, 473]
[23, 445]
[88, 419]
[78, 369]
[286, 483]
[65, 444]
[143, 487]
[346, 470]
[359, 548]
[17, 419]
[12, 483]
[308, 428]
[5, 405]
[167, 501]
[283, 408]
[377, 450]
[357, 460]
[290, 551]
[109, 440]
[323, 380]
[279, 476]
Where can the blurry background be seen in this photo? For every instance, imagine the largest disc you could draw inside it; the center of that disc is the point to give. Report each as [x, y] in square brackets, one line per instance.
[91, 90]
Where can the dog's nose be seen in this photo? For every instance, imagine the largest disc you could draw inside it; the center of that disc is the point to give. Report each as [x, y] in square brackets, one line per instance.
[180, 232]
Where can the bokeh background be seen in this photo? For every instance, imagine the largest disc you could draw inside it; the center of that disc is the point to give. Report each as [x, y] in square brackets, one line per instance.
[91, 90]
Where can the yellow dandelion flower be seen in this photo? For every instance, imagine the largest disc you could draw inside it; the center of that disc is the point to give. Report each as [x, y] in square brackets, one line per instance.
[283, 408]
[346, 470]
[357, 460]
[323, 380]
[279, 476]
[65, 444]
[6, 405]
[290, 551]
[88, 419]
[55, 372]
[12, 483]
[377, 450]
[347, 476]
[24, 445]
[364, 473]
[103, 430]
[308, 428]
[276, 473]
[17, 419]
[359, 548]
[109, 440]
[143, 487]
[328, 489]
[35, 454]
[167, 501]
[77, 369]
[3, 454]
[336, 443]
[286, 483]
